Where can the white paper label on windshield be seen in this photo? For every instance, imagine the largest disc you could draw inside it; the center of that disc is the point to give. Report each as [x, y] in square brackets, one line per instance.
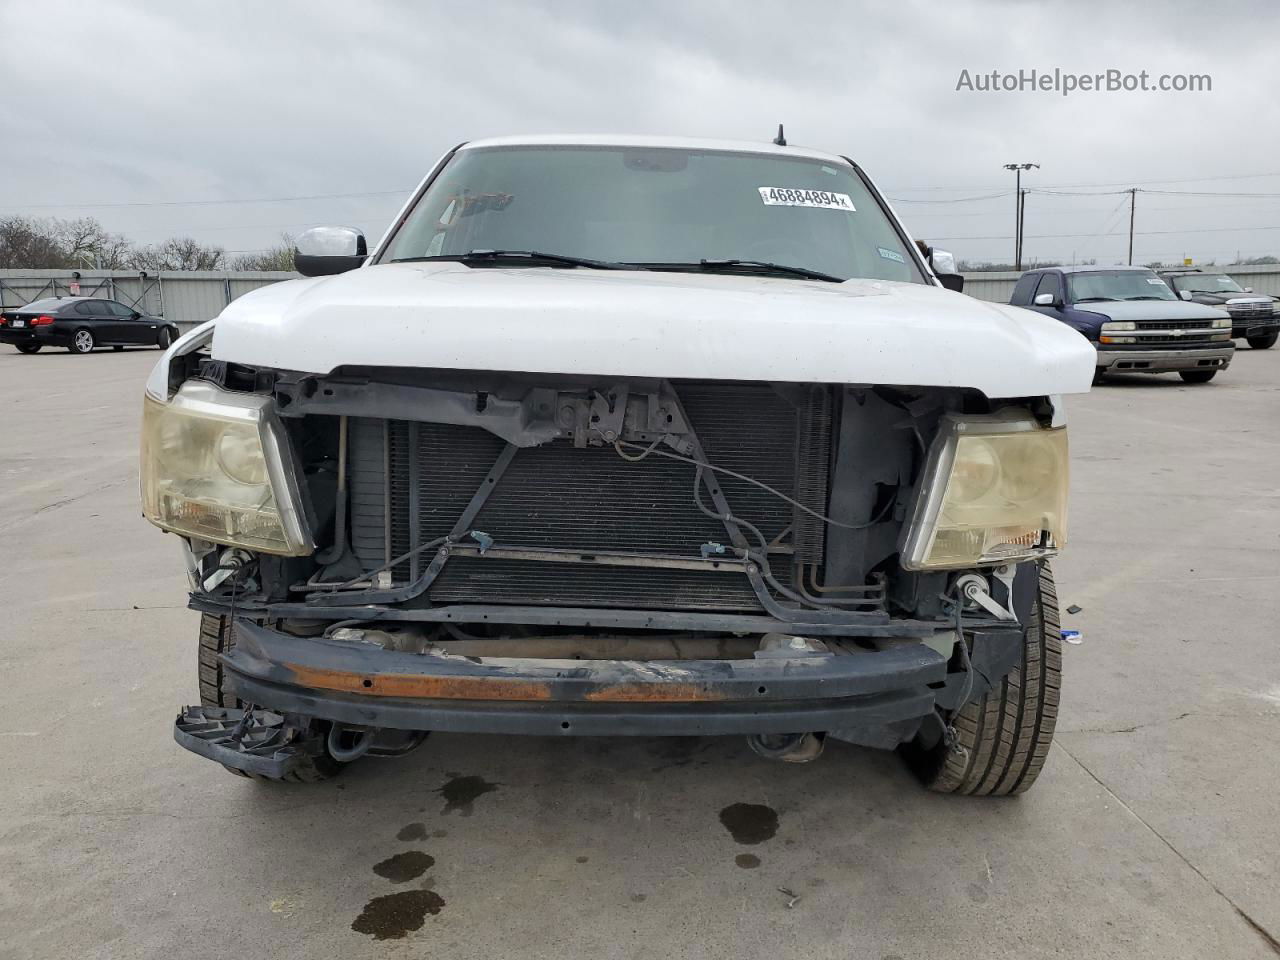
[794, 197]
[1155, 280]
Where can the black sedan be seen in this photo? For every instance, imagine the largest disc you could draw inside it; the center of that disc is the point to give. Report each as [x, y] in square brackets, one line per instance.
[80, 324]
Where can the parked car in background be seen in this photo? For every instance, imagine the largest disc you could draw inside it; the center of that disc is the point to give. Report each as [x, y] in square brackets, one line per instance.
[1133, 318]
[1254, 317]
[82, 323]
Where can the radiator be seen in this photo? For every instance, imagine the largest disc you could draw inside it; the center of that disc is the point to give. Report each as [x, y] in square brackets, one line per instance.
[409, 482]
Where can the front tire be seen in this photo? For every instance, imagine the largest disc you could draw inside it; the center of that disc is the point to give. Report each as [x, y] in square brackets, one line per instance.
[1197, 376]
[82, 341]
[29, 347]
[1264, 341]
[216, 637]
[1005, 735]
[164, 339]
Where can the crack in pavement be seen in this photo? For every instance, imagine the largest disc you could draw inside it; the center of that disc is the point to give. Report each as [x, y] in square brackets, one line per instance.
[1262, 715]
[1262, 932]
[57, 504]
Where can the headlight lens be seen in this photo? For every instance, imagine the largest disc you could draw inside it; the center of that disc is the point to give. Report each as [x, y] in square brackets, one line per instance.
[1117, 325]
[239, 454]
[1222, 323]
[1017, 511]
[214, 466]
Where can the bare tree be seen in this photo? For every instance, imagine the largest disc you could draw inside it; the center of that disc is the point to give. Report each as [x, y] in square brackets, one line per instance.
[88, 244]
[279, 257]
[178, 253]
[55, 244]
[30, 243]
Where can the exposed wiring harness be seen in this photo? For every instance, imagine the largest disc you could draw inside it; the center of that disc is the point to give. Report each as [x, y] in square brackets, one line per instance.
[760, 557]
[949, 735]
[652, 449]
[355, 581]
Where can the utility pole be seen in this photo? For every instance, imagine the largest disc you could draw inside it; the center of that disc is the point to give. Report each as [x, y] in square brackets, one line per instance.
[1133, 202]
[1017, 169]
[1022, 220]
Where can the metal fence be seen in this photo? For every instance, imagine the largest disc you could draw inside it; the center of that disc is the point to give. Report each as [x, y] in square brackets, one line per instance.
[185, 297]
[191, 297]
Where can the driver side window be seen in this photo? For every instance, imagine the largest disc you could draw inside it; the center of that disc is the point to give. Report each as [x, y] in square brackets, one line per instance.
[1050, 283]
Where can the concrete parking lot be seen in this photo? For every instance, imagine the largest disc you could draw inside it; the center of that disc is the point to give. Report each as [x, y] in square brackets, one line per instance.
[1154, 831]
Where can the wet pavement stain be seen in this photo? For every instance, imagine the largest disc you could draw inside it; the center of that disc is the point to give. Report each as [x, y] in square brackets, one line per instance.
[583, 859]
[404, 867]
[393, 916]
[412, 831]
[461, 792]
[749, 823]
[677, 751]
[439, 833]
[747, 861]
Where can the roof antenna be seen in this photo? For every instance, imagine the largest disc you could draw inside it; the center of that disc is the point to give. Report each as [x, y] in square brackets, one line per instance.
[780, 140]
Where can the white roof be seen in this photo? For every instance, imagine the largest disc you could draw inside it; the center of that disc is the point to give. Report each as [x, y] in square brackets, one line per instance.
[631, 140]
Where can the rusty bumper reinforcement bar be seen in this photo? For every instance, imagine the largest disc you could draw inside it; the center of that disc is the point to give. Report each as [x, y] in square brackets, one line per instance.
[363, 684]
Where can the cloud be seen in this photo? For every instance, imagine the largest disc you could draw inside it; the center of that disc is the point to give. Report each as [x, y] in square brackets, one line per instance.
[162, 102]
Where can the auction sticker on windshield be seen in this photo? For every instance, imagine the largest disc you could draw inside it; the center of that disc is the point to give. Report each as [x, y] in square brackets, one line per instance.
[793, 197]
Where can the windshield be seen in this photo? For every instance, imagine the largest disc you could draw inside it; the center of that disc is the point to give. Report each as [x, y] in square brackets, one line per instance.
[1207, 283]
[656, 206]
[1118, 285]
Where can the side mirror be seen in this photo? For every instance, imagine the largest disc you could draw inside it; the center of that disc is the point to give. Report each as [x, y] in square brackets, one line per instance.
[1248, 289]
[324, 251]
[944, 266]
[1185, 294]
[1044, 300]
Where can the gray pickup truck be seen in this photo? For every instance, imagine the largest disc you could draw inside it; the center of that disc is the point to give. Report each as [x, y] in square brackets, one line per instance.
[1254, 317]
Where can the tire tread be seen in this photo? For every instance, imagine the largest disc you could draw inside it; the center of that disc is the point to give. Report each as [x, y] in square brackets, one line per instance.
[216, 638]
[1006, 734]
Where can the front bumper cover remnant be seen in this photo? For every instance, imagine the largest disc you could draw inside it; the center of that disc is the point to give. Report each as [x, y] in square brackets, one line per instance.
[365, 685]
[261, 743]
[1166, 361]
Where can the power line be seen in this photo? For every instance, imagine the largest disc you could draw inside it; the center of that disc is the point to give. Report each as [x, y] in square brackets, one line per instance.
[1121, 233]
[1110, 183]
[207, 203]
[987, 196]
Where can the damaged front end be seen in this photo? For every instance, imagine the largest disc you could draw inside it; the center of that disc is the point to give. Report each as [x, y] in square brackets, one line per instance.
[393, 552]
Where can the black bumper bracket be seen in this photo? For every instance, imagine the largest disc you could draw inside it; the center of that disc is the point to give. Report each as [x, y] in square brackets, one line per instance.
[263, 743]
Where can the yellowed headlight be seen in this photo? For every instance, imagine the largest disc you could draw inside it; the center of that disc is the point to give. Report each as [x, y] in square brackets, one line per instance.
[1017, 512]
[214, 468]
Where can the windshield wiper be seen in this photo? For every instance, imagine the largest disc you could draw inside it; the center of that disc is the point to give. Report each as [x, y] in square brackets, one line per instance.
[762, 266]
[534, 257]
[1148, 297]
[1093, 299]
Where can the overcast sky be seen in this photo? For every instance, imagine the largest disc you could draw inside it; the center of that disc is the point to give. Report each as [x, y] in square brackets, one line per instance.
[129, 111]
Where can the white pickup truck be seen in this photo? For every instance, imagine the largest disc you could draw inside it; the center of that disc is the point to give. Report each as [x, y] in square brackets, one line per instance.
[621, 436]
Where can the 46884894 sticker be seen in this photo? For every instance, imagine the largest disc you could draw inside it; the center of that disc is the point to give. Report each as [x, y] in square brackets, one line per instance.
[799, 197]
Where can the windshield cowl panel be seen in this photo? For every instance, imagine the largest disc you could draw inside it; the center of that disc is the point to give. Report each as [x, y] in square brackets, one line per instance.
[645, 206]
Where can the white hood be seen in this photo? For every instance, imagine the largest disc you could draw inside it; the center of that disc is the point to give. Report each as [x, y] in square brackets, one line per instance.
[630, 323]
